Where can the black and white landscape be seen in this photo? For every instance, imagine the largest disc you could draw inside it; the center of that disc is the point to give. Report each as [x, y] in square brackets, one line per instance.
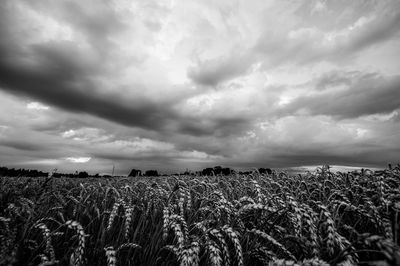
[200, 132]
[172, 85]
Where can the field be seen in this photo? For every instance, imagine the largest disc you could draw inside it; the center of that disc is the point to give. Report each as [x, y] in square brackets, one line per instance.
[318, 218]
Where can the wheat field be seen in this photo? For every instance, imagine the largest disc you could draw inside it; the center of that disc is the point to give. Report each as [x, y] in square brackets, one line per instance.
[318, 218]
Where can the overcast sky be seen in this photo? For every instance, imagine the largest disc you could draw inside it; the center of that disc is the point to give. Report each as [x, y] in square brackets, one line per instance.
[172, 85]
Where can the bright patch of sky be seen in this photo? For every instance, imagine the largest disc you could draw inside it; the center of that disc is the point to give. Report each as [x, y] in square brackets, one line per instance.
[78, 159]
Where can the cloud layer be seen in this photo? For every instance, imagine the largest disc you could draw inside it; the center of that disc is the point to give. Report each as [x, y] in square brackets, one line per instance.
[176, 85]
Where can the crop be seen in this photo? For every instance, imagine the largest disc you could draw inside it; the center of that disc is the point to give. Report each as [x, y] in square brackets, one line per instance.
[319, 218]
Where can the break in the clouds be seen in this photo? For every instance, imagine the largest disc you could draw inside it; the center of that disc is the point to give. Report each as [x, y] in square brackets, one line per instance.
[188, 84]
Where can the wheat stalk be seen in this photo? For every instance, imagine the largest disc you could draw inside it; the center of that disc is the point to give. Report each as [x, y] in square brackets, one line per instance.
[47, 238]
[273, 242]
[190, 256]
[77, 256]
[224, 246]
[113, 213]
[111, 256]
[234, 238]
[214, 254]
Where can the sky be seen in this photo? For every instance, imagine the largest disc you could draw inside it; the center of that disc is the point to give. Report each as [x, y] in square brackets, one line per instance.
[174, 85]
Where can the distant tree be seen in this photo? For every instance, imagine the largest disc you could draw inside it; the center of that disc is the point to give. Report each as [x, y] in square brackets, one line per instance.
[151, 173]
[207, 172]
[135, 172]
[226, 171]
[83, 174]
[217, 170]
[3, 171]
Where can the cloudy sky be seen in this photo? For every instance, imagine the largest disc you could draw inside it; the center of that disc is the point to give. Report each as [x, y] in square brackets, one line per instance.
[85, 85]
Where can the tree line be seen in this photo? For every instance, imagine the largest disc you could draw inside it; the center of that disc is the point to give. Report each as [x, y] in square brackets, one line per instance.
[12, 172]
[216, 170]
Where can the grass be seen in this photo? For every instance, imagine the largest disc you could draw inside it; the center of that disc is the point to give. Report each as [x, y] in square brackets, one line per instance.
[317, 218]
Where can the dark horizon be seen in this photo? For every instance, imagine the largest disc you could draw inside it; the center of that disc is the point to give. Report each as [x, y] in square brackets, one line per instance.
[295, 170]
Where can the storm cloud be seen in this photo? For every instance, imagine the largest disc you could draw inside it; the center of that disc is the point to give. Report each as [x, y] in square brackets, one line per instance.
[360, 94]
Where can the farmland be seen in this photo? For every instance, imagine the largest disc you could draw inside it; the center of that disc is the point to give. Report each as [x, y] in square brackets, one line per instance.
[316, 218]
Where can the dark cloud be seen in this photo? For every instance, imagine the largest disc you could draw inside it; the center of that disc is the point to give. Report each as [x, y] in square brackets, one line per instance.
[367, 94]
[218, 127]
[64, 82]
[22, 145]
[151, 157]
[61, 74]
[60, 83]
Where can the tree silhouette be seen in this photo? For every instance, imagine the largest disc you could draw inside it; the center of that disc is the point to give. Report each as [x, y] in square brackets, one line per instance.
[151, 173]
[83, 174]
[135, 172]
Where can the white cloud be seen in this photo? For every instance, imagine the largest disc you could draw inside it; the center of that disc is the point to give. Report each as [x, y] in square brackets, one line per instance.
[86, 134]
[361, 133]
[78, 159]
[37, 106]
[69, 133]
[197, 156]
